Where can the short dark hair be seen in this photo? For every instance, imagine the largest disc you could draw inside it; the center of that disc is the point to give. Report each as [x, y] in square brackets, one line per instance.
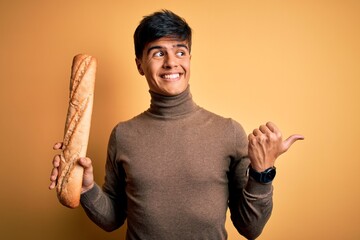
[160, 24]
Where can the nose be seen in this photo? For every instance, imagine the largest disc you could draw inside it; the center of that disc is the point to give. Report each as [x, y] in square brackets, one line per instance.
[170, 61]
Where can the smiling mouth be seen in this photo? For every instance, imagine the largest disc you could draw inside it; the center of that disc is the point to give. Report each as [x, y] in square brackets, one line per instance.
[173, 76]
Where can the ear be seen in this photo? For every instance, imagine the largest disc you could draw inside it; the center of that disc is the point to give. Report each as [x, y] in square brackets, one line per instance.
[139, 68]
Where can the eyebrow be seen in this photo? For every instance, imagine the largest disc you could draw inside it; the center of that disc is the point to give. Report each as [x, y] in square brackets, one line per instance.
[180, 45]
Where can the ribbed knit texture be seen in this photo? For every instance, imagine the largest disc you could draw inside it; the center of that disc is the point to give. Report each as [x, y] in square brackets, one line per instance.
[169, 171]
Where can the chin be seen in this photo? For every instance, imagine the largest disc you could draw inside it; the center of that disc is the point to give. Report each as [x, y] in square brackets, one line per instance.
[172, 91]
[175, 92]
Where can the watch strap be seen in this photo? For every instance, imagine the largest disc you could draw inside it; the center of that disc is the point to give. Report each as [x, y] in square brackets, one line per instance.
[263, 177]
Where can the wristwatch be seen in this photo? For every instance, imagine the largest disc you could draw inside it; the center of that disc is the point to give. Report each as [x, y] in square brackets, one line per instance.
[263, 177]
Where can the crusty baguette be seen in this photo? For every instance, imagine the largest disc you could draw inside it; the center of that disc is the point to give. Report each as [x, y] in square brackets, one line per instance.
[77, 130]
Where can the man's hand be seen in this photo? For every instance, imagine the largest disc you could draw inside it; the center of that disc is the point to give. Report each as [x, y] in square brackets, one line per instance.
[88, 177]
[266, 144]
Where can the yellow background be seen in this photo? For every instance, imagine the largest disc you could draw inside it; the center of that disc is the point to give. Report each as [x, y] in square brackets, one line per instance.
[296, 63]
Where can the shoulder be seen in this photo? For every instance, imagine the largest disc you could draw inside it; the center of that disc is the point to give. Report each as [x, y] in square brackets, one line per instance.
[129, 127]
[129, 122]
[226, 121]
[226, 126]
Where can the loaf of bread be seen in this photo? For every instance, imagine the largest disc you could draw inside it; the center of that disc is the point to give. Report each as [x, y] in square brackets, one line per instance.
[77, 130]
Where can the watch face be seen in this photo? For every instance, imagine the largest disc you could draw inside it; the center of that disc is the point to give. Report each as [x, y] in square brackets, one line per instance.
[270, 175]
[264, 177]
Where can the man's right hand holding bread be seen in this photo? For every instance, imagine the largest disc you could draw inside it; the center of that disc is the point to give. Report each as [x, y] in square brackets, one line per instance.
[88, 177]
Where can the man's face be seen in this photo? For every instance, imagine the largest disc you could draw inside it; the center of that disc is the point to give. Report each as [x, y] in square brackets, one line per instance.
[166, 65]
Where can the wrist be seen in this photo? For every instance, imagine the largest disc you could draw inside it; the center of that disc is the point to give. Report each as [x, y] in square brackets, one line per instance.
[85, 189]
[265, 176]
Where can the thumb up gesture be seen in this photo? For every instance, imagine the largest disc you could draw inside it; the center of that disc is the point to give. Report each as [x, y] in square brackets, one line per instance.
[266, 144]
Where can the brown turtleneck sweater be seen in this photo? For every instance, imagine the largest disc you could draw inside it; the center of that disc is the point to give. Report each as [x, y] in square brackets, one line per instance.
[173, 170]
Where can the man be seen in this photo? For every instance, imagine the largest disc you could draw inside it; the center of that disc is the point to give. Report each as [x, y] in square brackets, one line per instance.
[173, 170]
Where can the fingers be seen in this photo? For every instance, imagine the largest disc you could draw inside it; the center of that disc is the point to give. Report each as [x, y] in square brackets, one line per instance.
[58, 146]
[85, 162]
[88, 178]
[269, 137]
[272, 127]
[53, 177]
[256, 132]
[56, 161]
[52, 185]
[290, 140]
[265, 129]
[269, 130]
[55, 171]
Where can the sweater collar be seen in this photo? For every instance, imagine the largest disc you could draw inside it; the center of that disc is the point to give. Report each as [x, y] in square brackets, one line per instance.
[171, 106]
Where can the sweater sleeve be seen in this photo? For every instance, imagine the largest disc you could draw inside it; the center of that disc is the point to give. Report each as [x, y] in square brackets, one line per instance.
[106, 206]
[250, 202]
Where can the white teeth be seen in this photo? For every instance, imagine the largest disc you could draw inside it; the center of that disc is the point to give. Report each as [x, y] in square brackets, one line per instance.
[171, 76]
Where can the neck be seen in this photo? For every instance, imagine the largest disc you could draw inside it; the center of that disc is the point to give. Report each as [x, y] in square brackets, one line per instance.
[171, 106]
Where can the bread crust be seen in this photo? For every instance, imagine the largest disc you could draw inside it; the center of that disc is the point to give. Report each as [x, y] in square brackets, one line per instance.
[77, 129]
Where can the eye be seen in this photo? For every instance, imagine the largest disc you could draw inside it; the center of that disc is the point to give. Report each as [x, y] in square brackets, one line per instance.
[158, 54]
[181, 53]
